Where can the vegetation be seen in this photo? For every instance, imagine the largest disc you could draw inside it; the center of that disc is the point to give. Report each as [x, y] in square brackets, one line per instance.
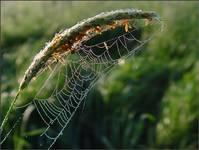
[151, 101]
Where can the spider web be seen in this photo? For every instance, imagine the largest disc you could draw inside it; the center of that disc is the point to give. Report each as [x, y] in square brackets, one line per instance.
[76, 74]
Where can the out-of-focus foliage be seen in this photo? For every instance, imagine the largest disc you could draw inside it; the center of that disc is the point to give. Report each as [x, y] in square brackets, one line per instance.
[151, 101]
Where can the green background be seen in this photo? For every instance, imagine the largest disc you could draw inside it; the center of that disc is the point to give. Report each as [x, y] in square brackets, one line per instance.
[149, 102]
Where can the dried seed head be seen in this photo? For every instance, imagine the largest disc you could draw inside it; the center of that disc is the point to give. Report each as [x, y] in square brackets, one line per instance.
[68, 40]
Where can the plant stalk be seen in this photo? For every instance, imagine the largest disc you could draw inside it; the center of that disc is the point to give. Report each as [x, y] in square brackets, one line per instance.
[9, 111]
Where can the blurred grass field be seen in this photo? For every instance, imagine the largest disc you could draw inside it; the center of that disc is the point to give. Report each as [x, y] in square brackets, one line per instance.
[152, 101]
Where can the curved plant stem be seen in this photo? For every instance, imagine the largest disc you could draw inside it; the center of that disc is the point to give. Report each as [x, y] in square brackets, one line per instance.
[39, 61]
[9, 111]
